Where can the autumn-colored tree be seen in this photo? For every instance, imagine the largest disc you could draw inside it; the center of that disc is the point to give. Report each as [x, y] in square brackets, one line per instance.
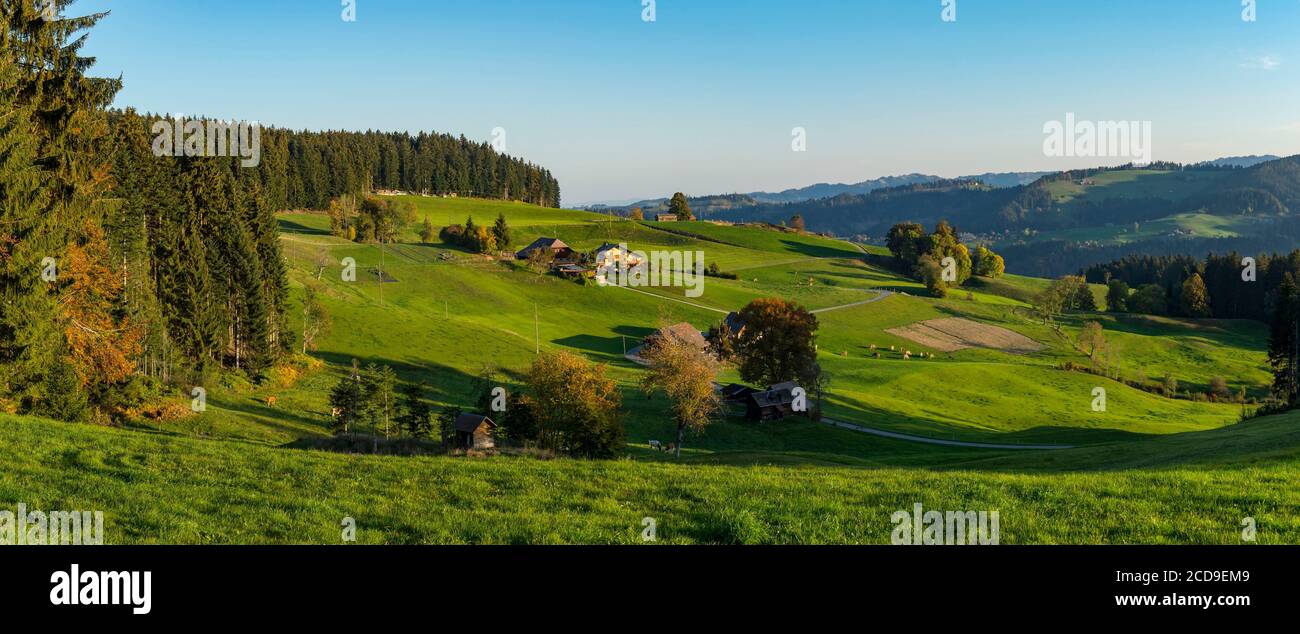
[636, 214]
[576, 407]
[1195, 298]
[797, 223]
[100, 346]
[988, 263]
[687, 375]
[1092, 339]
[778, 342]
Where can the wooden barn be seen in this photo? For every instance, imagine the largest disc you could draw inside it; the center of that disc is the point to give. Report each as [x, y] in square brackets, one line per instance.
[665, 217]
[774, 404]
[556, 246]
[683, 332]
[475, 432]
[736, 393]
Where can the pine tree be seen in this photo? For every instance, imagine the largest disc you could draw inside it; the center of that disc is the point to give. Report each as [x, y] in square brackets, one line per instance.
[427, 232]
[347, 400]
[416, 416]
[57, 321]
[501, 231]
[378, 384]
[1284, 342]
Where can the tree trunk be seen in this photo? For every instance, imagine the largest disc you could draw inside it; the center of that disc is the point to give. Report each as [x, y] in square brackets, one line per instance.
[681, 434]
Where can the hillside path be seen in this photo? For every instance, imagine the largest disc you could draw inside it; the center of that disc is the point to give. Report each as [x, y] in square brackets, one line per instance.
[936, 441]
[671, 299]
[881, 294]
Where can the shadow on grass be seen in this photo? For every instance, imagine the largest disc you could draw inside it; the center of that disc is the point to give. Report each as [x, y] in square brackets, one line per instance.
[289, 226]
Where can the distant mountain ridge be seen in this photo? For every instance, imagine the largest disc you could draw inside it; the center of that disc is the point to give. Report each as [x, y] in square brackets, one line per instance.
[706, 205]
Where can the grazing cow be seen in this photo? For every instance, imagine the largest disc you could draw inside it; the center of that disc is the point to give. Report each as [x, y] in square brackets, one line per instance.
[654, 444]
[335, 412]
[271, 401]
[907, 354]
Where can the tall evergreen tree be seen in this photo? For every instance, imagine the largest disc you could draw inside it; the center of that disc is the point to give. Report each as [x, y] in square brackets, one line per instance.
[1284, 342]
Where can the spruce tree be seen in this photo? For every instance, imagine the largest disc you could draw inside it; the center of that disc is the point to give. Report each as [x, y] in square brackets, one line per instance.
[347, 400]
[1284, 341]
[501, 231]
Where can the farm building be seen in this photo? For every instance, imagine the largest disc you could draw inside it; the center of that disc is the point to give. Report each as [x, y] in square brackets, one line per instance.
[612, 254]
[771, 405]
[735, 324]
[774, 404]
[665, 217]
[556, 246]
[474, 432]
[680, 332]
[572, 270]
[608, 258]
[736, 393]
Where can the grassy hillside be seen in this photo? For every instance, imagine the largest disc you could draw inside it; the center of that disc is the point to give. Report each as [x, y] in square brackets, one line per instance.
[226, 475]
[163, 489]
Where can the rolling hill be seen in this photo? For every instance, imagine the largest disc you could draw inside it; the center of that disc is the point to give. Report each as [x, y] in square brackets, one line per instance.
[236, 472]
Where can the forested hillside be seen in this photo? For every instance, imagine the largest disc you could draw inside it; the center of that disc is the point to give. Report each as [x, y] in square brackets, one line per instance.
[127, 272]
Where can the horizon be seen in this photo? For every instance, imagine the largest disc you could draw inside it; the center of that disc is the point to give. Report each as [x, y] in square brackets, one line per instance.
[705, 99]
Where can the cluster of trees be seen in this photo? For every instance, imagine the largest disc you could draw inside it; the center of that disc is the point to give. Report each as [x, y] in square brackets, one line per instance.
[118, 269]
[1271, 187]
[924, 254]
[679, 206]
[1068, 293]
[372, 219]
[475, 237]
[778, 344]
[306, 170]
[568, 406]
[1220, 286]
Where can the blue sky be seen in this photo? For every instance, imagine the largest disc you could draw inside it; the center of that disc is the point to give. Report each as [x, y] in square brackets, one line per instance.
[703, 99]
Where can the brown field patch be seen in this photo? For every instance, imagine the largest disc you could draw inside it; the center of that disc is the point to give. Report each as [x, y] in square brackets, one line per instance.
[954, 333]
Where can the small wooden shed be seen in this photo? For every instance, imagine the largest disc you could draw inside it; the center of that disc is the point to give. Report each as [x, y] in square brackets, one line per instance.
[774, 404]
[474, 431]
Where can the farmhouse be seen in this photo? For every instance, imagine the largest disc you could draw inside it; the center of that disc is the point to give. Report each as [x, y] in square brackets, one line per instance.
[735, 324]
[771, 405]
[665, 217]
[683, 332]
[611, 255]
[612, 260]
[556, 246]
[774, 404]
[474, 432]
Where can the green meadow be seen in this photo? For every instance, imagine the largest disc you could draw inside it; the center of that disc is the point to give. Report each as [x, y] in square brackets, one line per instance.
[1148, 469]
